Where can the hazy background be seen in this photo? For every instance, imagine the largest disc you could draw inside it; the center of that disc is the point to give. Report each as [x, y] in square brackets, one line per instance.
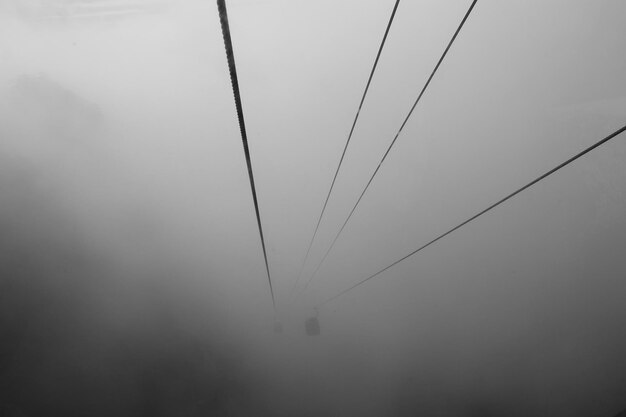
[131, 274]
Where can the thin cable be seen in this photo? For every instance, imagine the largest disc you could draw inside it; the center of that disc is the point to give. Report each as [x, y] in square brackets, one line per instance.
[345, 148]
[221, 5]
[419, 97]
[494, 205]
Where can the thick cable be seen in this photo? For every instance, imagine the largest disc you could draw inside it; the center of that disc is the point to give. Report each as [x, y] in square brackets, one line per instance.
[406, 119]
[345, 148]
[221, 5]
[474, 217]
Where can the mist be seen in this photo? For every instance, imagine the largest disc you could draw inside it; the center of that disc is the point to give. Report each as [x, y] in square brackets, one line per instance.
[132, 278]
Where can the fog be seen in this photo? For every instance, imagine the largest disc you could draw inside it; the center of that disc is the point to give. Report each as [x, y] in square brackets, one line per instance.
[132, 279]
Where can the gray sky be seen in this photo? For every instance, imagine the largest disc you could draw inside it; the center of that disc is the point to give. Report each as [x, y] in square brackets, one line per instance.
[526, 85]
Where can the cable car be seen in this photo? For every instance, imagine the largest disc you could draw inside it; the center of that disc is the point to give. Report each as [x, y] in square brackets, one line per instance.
[312, 326]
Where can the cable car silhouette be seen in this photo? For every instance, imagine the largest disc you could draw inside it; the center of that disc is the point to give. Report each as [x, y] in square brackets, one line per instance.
[312, 326]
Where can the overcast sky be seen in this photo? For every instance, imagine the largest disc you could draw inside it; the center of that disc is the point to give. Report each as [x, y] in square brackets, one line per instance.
[526, 85]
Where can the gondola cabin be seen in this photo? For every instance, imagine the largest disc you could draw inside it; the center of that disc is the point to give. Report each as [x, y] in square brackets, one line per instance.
[312, 326]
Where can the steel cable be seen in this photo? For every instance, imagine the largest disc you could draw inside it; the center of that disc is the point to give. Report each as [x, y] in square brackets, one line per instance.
[406, 119]
[221, 5]
[345, 148]
[494, 205]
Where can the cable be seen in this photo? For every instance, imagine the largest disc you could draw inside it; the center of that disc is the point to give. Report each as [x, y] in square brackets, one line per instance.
[494, 205]
[221, 5]
[345, 148]
[432, 74]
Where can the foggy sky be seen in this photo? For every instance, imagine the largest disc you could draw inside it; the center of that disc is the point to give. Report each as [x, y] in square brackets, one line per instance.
[519, 313]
